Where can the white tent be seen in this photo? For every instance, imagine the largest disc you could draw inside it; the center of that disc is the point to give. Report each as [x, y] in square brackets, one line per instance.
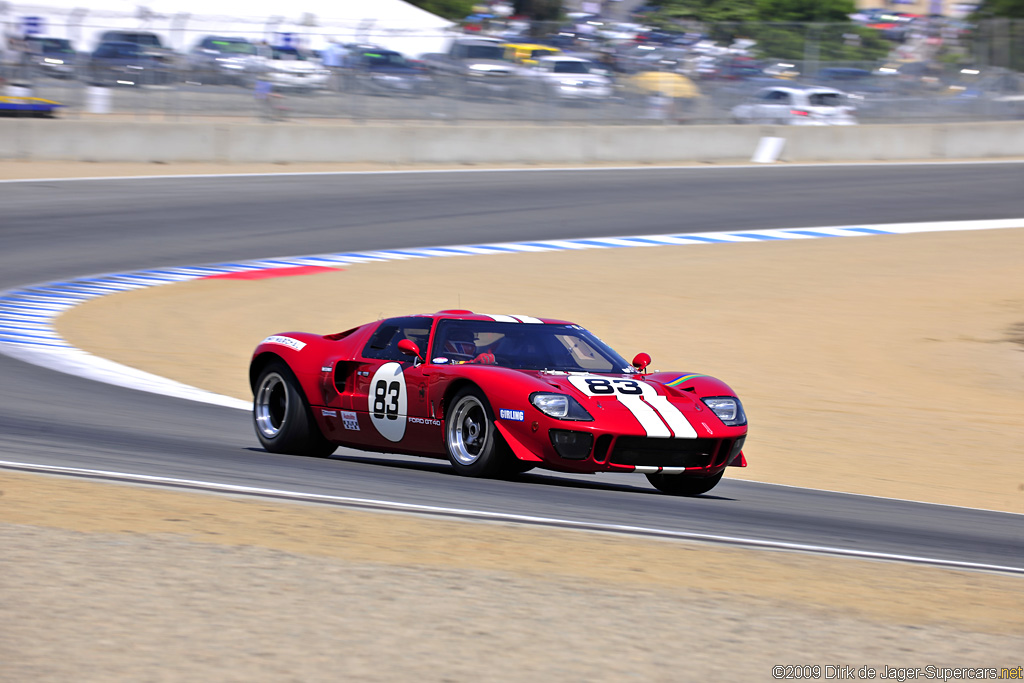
[311, 23]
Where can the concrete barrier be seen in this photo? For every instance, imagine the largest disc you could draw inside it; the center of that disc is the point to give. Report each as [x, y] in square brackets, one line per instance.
[298, 141]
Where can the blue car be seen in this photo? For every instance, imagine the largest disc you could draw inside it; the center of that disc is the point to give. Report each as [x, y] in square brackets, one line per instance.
[386, 72]
[129, 64]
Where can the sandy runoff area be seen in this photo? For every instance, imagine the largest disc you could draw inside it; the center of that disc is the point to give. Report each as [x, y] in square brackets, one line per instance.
[881, 365]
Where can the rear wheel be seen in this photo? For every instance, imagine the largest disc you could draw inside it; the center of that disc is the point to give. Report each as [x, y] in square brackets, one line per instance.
[683, 485]
[475, 448]
[282, 417]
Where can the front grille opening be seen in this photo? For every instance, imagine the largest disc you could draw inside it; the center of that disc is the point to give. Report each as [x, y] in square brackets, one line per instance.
[604, 442]
[642, 451]
[571, 445]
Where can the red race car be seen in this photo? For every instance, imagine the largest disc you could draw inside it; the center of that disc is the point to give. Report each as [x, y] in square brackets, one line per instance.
[495, 395]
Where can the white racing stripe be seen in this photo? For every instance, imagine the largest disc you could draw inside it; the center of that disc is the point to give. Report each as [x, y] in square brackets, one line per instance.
[680, 426]
[652, 411]
[653, 469]
[646, 415]
[501, 318]
[528, 319]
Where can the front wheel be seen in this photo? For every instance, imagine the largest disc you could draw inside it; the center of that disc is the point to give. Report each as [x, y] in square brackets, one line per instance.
[282, 417]
[683, 485]
[474, 447]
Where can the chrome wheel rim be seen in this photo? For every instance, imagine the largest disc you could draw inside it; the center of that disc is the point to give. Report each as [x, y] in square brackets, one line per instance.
[467, 430]
[271, 405]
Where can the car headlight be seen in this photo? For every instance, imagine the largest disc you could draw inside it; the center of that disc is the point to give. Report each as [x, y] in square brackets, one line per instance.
[560, 406]
[728, 409]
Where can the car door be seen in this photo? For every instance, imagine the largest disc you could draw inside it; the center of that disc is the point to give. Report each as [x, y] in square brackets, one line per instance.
[385, 404]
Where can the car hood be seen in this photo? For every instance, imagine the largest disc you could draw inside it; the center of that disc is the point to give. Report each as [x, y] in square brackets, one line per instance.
[294, 67]
[589, 79]
[581, 384]
[489, 65]
[394, 71]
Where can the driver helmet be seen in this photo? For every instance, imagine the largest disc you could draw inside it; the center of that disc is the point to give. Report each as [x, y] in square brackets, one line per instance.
[460, 345]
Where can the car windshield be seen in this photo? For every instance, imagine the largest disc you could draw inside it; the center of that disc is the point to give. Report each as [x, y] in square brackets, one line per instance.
[384, 59]
[484, 52]
[55, 46]
[524, 346]
[147, 39]
[119, 51]
[571, 68]
[288, 54]
[234, 47]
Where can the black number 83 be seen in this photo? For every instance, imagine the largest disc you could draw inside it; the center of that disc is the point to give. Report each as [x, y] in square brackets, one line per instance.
[600, 386]
[382, 407]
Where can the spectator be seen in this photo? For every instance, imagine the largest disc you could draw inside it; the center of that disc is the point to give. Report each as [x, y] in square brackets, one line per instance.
[332, 58]
[268, 103]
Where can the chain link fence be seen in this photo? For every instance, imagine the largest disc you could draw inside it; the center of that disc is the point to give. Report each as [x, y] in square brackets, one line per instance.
[930, 71]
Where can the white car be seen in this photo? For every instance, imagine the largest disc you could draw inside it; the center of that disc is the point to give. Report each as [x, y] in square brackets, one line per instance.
[797, 106]
[568, 78]
[294, 69]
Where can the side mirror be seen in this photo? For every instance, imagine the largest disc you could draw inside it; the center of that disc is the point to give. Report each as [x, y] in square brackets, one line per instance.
[409, 348]
[640, 362]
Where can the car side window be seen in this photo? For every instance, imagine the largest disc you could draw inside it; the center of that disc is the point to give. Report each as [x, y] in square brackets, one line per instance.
[383, 345]
[826, 100]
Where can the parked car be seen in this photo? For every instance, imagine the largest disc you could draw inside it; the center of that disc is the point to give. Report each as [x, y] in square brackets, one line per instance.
[144, 38]
[494, 395]
[386, 72]
[223, 59]
[475, 66]
[53, 57]
[292, 68]
[797, 106]
[153, 44]
[732, 68]
[569, 79]
[123, 63]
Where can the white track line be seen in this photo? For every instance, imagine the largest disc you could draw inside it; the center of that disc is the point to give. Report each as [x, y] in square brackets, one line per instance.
[703, 168]
[482, 515]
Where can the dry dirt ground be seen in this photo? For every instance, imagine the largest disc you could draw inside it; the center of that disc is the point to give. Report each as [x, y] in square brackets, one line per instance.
[883, 365]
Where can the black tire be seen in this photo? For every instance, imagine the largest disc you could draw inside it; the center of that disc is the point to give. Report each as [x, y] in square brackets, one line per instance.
[683, 485]
[281, 415]
[475, 449]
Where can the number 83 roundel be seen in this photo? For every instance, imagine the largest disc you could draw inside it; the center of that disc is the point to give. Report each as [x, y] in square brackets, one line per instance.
[388, 401]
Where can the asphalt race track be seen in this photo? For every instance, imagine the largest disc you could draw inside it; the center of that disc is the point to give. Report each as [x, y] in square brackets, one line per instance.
[56, 230]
